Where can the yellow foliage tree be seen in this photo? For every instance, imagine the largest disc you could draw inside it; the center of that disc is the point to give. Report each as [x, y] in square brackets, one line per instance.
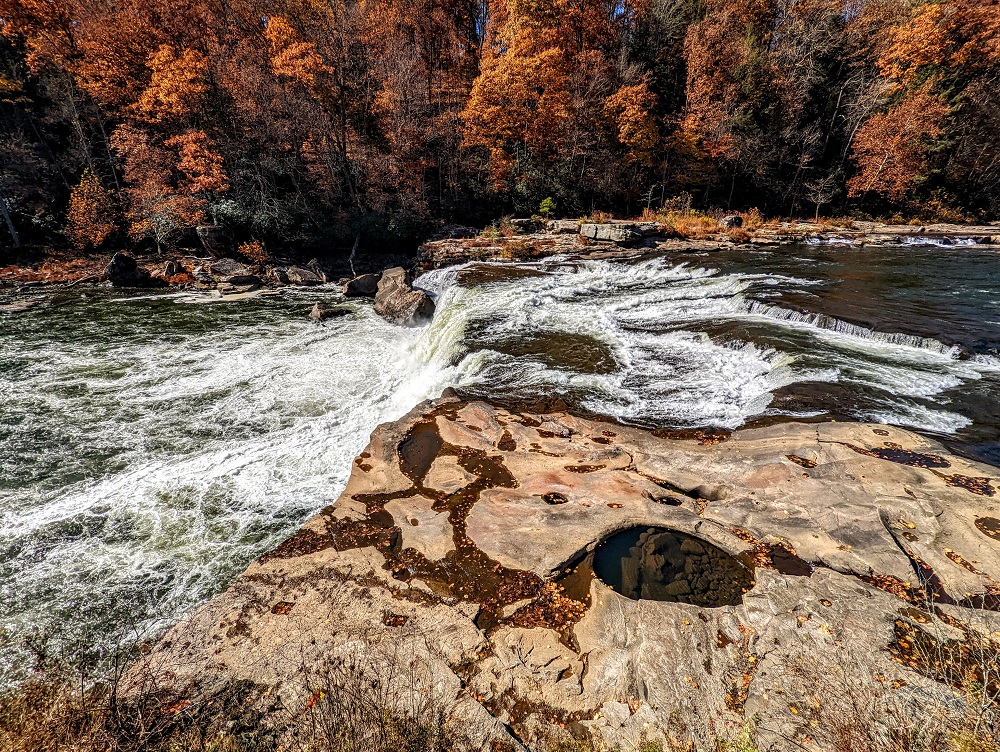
[176, 86]
[630, 109]
[91, 213]
[292, 58]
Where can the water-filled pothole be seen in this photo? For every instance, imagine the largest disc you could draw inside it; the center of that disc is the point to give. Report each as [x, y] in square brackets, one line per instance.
[654, 563]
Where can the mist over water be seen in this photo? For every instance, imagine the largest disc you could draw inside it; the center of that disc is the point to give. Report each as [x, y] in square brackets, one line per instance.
[152, 446]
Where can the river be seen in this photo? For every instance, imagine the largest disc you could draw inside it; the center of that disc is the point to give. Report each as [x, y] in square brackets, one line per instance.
[152, 445]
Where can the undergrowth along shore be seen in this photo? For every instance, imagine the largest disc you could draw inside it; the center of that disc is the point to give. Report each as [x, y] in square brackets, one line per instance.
[113, 704]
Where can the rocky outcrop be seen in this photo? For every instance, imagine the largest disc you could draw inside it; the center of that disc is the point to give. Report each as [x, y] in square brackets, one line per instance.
[362, 286]
[397, 302]
[215, 240]
[471, 549]
[124, 271]
[299, 275]
[731, 221]
[621, 233]
[323, 312]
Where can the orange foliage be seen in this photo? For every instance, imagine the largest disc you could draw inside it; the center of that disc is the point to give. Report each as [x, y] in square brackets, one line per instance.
[890, 148]
[631, 110]
[90, 220]
[176, 86]
[200, 163]
[292, 58]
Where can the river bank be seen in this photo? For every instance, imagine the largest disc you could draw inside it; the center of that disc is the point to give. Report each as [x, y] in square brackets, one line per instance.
[522, 239]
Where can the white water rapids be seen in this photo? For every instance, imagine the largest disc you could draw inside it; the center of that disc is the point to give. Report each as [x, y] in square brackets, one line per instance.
[154, 449]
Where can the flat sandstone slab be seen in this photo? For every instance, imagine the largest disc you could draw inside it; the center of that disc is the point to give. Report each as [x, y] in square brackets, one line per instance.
[460, 557]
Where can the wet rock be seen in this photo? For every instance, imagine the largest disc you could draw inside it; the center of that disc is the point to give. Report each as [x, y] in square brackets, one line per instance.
[397, 302]
[19, 306]
[124, 271]
[202, 278]
[317, 268]
[323, 312]
[362, 286]
[298, 275]
[226, 288]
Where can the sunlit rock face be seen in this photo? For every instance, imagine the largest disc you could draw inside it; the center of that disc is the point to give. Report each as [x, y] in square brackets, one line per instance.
[539, 575]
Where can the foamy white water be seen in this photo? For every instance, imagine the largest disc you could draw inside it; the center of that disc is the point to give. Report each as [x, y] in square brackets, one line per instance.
[154, 447]
[219, 445]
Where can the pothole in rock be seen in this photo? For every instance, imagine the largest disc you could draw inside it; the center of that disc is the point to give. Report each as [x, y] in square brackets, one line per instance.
[654, 563]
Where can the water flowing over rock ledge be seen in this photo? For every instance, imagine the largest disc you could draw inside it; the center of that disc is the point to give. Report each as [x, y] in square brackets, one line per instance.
[459, 564]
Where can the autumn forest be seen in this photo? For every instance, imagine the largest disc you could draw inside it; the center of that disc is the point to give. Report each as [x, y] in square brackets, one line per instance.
[129, 122]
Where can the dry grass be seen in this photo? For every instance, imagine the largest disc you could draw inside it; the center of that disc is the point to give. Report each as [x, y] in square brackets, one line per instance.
[945, 697]
[684, 223]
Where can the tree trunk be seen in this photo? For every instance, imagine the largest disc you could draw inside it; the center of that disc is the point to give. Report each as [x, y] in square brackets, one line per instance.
[10, 222]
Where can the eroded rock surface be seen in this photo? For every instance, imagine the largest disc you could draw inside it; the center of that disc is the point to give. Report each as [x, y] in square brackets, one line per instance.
[397, 302]
[461, 555]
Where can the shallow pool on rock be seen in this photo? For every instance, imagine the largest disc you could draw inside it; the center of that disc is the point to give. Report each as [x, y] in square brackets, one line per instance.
[654, 563]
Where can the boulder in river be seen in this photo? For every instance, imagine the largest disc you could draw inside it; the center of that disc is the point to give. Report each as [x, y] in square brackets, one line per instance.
[324, 311]
[19, 306]
[362, 286]
[397, 302]
[772, 574]
[299, 275]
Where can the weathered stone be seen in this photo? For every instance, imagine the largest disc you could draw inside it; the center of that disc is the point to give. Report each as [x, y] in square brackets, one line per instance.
[228, 267]
[563, 226]
[298, 275]
[731, 221]
[616, 233]
[860, 503]
[19, 306]
[322, 312]
[363, 286]
[172, 268]
[215, 240]
[123, 271]
[397, 302]
[225, 288]
[244, 280]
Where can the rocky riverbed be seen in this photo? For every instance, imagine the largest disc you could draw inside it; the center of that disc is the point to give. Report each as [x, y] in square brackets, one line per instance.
[218, 268]
[543, 576]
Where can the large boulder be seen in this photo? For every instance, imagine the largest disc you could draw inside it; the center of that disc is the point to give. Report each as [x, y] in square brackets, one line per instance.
[731, 221]
[228, 267]
[363, 286]
[214, 239]
[124, 271]
[397, 302]
[621, 233]
[299, 275]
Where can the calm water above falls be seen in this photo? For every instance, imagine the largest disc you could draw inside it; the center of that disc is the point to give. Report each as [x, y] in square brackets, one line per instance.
[152, 446]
